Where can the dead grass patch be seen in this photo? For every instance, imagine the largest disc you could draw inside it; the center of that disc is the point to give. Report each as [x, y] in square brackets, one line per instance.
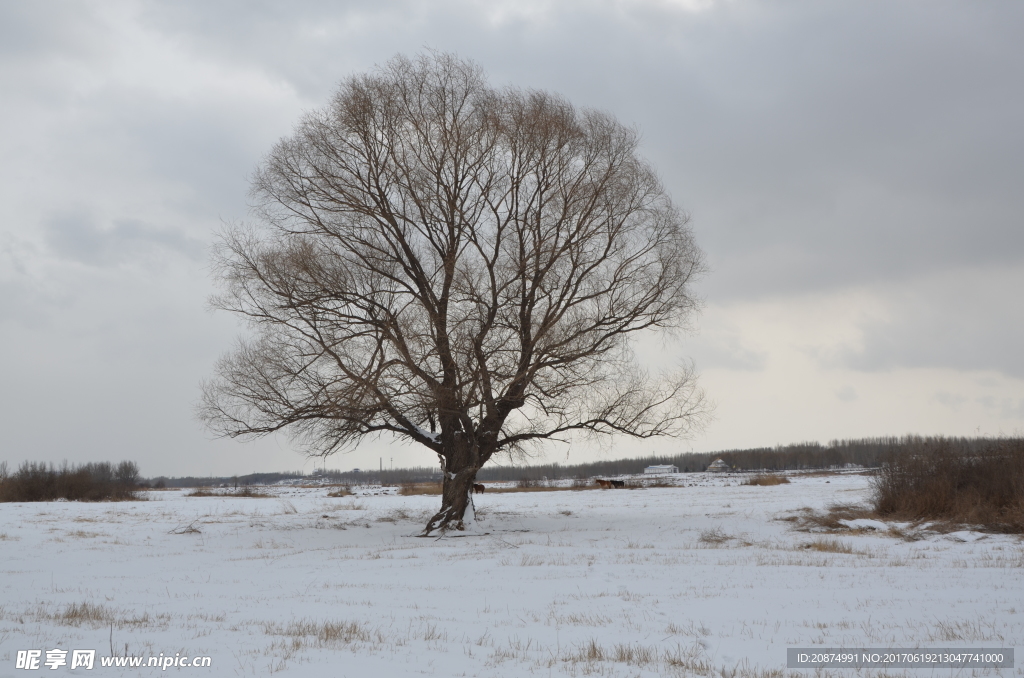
[766, 480]
[85, 613]
[343, 491]
[507, 490]
[827, 546]
[327, 633]
[187, 529]
[82, 534]
[240, 492]
[715, 537]
[635, 654]
[395, 516]
[415, 489]
[77, 614]
[809, 520]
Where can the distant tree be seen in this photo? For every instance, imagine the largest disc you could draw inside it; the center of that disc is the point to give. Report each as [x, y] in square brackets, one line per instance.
[456, 265]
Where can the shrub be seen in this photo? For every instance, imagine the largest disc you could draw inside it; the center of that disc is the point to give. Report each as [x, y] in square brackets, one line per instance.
[91, 482]
[975, 482]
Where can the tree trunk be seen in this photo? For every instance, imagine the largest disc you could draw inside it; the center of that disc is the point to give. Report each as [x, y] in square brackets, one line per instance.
[458, 481]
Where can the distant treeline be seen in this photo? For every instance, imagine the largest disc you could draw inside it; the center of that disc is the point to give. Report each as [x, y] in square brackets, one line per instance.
[35, 481]
[388, 477]
[866, 452]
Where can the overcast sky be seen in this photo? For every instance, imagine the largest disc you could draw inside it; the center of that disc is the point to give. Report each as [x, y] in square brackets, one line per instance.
[854, 171]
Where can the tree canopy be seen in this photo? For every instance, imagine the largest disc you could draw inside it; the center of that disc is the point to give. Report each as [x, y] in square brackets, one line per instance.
[457, 265]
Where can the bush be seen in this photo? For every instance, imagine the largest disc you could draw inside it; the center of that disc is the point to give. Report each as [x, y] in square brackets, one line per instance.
[974, 482]
[90, 482]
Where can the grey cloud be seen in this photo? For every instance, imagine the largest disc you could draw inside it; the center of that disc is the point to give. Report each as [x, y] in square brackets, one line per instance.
[816, 146]
[81, 239]
[29, 29]
[724, 350]
[965, 320]
[847, 394]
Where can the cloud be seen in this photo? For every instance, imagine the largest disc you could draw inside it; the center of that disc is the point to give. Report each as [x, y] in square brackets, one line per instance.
[80, 239]
[962, 318]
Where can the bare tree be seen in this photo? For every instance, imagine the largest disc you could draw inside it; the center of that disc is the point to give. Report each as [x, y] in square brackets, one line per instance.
[456, 265]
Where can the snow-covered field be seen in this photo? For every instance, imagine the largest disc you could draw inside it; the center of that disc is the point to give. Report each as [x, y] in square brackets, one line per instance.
[704, 579]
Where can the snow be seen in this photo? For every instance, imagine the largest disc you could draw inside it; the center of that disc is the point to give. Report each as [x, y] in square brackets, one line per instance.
[706, 578]
[865, 524]
[433, 437]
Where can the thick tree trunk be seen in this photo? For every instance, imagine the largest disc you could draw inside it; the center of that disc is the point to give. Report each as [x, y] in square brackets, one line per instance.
[454, 502]
[459, 475]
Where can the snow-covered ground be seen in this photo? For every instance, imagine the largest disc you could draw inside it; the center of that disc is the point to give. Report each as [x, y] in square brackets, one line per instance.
[701, 579]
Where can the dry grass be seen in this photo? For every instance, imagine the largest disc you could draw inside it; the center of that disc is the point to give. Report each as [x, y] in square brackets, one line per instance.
[82, 534]
[677, 660]
[766, 479]
[714, 536]
[343, 491]
[827, 546]
[507, 490]
[186, 529]
[76, 614]
[241, 492]
[328, 633]
[90, 614]
[414, 489]
[395, 516]
[809, 520]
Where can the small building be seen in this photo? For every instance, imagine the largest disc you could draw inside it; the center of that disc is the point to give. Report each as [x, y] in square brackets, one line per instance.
[662, 468]
[718, 466]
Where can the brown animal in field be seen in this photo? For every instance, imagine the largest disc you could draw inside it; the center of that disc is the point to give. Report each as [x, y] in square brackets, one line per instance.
[605, 484]
[618, 483]
[478, 488]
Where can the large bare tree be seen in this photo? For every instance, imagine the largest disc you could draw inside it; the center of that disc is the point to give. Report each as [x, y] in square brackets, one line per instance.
[461, 266]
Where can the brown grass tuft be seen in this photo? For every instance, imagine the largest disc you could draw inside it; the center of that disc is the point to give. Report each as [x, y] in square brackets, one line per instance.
[827, 546]
[714, 536]
[241, 492]
[809, 520]
[327, 633]
[413, 489]
[766, 479]
[75, 614]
